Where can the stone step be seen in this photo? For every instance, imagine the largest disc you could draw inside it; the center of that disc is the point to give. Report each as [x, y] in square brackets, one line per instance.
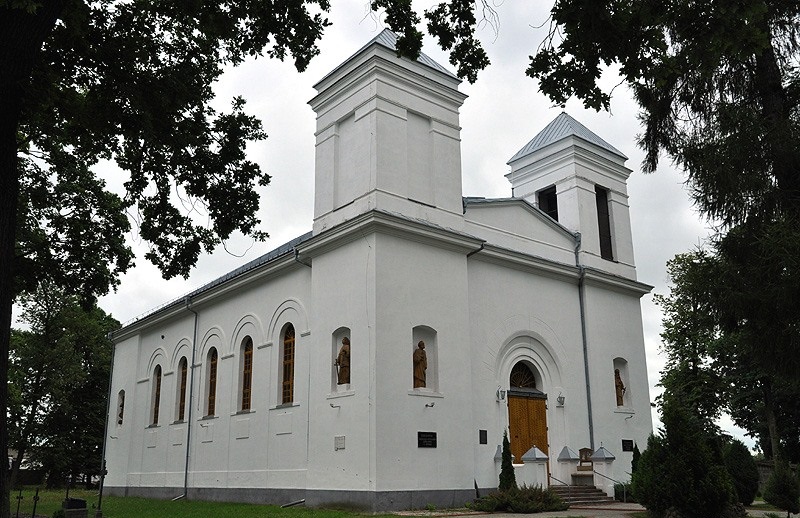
[575, 495]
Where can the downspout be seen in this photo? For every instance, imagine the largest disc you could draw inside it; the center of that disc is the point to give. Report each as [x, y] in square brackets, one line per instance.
[190, 401]
[105, 429]
[582, 304]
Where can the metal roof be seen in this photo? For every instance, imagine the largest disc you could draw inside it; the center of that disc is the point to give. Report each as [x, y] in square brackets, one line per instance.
[255, 263]
[388, 39]
[560, 128]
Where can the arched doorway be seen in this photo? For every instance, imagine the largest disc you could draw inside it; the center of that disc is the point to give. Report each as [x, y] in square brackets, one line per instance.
[527, 411]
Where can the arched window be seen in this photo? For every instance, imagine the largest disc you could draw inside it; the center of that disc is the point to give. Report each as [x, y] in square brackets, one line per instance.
[120, 406]
[212, 381]
[247, 373]
[183, 370]
[287, 385]
[522, 376]
[156, 393]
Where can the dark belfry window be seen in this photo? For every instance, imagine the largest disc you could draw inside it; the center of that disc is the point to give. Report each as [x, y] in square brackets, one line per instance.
[603, 222]
[548, 202]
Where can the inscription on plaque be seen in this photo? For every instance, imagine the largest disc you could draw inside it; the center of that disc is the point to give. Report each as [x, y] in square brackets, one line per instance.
[426, 439]
[483, 437]
[627, 445]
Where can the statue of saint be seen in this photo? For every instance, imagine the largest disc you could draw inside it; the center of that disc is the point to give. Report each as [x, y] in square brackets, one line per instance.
[420, 365]
[619, 386]
[343, 363]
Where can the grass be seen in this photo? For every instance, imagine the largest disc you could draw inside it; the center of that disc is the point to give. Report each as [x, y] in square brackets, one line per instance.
[130, 507]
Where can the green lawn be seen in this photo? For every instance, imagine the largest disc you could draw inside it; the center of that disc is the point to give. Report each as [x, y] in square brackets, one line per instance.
[129, 507]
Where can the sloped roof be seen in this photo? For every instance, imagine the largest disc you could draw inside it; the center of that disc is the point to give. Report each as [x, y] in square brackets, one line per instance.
[388, 39]
[560, 128]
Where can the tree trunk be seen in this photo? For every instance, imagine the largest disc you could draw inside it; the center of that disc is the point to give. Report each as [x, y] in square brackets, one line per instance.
[22, 34]
[772, 421]
[784, 157]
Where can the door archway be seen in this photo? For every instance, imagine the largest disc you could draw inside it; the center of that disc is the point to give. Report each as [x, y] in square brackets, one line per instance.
[527, 411]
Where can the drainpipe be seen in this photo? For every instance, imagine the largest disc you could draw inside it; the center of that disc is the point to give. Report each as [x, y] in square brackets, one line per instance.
[190, 400]
[582, 304]
[105, 429]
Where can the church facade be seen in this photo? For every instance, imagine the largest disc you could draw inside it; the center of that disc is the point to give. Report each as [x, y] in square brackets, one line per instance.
[378, 359]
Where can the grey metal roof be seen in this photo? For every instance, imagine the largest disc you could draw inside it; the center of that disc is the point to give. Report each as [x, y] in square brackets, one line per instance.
[568, 453]
[602, 454]
[388, 39]
[560, 128]
[255, 263]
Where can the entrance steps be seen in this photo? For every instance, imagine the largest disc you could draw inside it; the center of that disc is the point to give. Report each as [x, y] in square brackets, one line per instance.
[580, 495]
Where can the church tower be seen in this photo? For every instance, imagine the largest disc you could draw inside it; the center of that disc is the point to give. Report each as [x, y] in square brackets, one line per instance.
[387, 138]
[579, 180]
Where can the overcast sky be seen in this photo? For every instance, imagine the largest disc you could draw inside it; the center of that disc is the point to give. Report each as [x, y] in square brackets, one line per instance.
[503, 112]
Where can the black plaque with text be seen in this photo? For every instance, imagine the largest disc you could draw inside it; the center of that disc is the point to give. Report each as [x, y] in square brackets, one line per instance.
[426, 439]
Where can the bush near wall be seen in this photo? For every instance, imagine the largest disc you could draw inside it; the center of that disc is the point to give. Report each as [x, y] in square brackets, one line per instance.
[525, 499]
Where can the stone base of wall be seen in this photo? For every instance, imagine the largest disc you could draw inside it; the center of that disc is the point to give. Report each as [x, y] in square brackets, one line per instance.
[370, 501]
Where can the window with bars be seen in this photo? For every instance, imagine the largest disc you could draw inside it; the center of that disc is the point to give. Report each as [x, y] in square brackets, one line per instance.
[287, 386]
[212, 382]
[183, 367]
[156, 393]
[247, 373]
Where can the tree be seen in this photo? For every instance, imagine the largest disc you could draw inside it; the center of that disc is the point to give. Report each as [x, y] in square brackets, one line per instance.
[682, 470]
[691, 335]
[128, 82]
[742, 469]
[59, 373]
[508, 479]
[782, 488]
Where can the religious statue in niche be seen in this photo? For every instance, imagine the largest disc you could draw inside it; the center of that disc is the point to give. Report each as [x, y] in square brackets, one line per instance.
[420, 365]
[342, 363]
[620, 387]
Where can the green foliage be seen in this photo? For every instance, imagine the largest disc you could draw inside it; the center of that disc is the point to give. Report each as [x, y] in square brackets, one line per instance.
[782, 488]
[508, 480]
[681, 470]
[743, 470]
[59, 514]
[521, 500]
[59, 376]
[623, 493]
[635, 459]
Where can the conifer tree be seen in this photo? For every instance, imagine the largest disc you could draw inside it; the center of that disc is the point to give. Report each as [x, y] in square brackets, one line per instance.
[508, 479]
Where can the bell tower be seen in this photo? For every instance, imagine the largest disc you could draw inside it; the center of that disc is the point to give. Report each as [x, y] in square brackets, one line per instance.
[388, 138]
[580, 180]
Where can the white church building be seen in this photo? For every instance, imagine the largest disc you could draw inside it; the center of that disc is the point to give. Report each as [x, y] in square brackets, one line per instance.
[528, 306]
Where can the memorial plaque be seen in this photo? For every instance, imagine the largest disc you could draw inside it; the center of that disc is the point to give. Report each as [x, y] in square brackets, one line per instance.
[426, 439]
[627, 444]
[483, 437]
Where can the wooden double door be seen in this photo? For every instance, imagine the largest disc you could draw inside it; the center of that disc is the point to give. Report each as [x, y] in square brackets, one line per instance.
[527, 422]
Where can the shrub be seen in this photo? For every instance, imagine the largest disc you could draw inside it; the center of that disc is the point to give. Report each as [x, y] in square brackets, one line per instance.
[743, 470]
[623, 493]
[59, 514]
[681, 471]
[525, 499]
[635, 460]
[782, 489]
[508, 480]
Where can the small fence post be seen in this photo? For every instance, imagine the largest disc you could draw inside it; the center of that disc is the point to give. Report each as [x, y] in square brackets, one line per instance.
[19, 500]
[35, 501]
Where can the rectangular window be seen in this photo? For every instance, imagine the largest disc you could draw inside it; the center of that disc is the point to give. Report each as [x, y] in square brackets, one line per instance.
[548, 202]
[212, 382]
[287, 386]
[603, 222]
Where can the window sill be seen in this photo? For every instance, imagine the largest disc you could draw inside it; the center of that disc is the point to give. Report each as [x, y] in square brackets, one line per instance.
[343, 393]
[425, 392]
[624, 410]
[153, 426]
[208, 418]
[285, 405]
[180, 421]
[243, 412]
